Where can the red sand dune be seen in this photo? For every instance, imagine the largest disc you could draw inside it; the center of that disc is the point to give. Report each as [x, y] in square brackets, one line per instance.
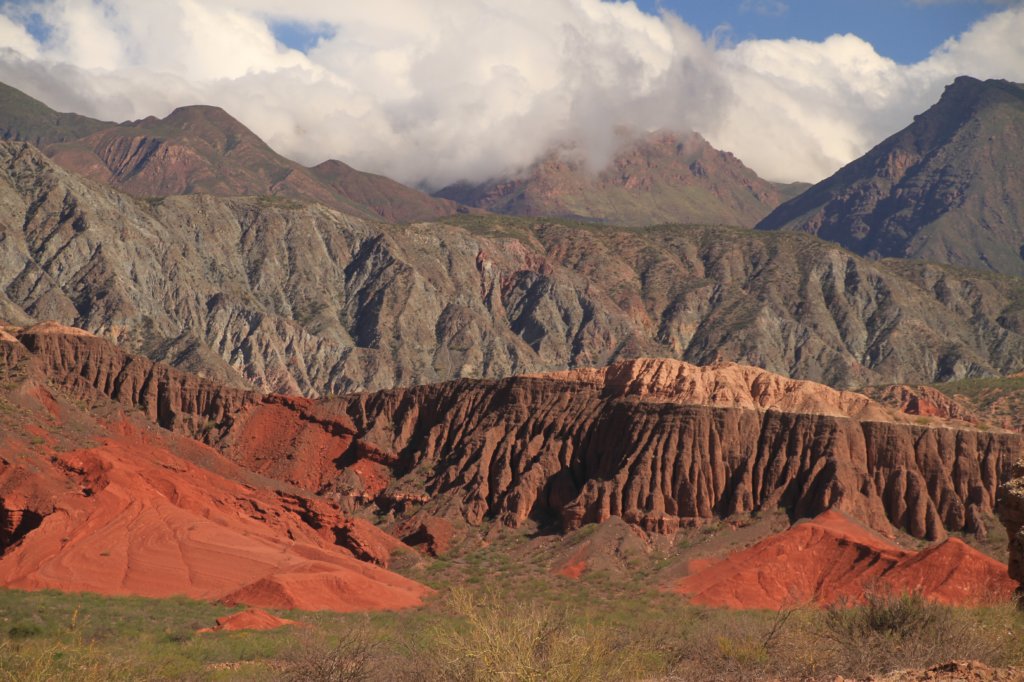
[250, 619]
[132, 517]
[831, 557]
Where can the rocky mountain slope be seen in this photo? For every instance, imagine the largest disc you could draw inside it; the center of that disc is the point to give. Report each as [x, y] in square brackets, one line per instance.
[658, 178]
[302, 299]
[949, 188]
[95, 498]
[203, 150]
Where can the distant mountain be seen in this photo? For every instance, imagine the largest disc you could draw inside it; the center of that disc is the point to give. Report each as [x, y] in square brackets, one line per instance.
[659, 178]
[26, 119]
[204, 150]
[948, 188]
[299, 298]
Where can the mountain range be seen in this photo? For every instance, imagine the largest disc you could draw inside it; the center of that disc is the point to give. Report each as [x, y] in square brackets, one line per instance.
[299, 298]
[203, 150]
[213, 356]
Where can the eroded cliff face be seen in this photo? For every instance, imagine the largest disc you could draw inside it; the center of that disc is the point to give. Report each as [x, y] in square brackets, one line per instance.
[1011, 513]
[301, 299]
[659, 443]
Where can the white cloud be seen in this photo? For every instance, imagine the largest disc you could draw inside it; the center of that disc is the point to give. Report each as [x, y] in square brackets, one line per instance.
[440, 90]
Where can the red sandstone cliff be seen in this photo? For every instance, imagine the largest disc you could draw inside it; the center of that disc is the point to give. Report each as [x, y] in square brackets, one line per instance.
[662, 443]
[658, 442]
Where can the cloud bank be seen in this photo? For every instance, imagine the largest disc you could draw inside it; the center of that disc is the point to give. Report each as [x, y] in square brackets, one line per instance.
[434, 91]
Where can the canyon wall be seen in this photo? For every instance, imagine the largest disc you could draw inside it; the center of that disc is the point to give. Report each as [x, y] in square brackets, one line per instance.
[659, 443]
[588, 445]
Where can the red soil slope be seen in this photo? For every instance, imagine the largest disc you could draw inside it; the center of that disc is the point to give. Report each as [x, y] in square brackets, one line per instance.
[95, 500]
[144, 521]
[832, 558]
[250, 619]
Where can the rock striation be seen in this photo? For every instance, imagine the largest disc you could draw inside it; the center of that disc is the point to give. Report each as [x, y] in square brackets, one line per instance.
[664, 444]
[300, 299]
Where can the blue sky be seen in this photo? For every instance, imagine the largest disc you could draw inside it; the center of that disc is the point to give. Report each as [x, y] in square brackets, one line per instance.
[902, 30]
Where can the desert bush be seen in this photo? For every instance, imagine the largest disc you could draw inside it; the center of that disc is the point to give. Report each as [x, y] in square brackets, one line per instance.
[352, 656]
[745, 645]
[891, 631]
[521, 641]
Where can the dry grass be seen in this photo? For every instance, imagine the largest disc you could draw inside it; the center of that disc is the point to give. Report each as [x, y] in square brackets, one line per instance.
[507, 641]
[607, 634]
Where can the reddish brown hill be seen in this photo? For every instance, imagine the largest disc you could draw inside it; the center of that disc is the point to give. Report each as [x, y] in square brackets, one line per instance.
[832, 558]
[203, 150]
[103, 502]
[658, 178]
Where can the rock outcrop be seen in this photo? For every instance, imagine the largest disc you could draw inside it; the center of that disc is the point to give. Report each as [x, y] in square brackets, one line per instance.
[300, 299]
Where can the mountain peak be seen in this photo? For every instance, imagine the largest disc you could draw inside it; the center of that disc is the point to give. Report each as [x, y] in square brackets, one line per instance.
[204, 114]
[658, 177]
[947, 188]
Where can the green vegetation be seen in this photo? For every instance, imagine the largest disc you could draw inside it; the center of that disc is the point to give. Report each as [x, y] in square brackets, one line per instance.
[517, 623]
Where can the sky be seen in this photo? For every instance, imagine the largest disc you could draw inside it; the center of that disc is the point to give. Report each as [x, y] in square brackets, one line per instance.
[437, 91]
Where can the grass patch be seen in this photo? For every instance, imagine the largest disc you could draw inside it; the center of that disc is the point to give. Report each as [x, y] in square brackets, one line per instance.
[520, 624]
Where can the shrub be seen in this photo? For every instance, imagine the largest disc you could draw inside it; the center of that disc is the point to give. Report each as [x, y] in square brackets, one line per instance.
[898, 631]
[523, 641]
[351, 657]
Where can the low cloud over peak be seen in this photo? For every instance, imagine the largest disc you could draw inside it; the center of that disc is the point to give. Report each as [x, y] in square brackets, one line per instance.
[434, 91]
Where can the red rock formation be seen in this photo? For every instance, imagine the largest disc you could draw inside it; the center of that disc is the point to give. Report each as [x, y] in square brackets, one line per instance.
[433, 535]
[661, 442]
[656, 442]
[832, 558]
[122, 507]
[250, 619]
[927, 402]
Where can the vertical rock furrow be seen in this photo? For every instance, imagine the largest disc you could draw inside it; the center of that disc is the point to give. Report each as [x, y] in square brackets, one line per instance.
[572, 447]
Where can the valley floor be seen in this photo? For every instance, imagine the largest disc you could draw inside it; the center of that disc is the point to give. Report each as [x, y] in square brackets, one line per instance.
[495, 618]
